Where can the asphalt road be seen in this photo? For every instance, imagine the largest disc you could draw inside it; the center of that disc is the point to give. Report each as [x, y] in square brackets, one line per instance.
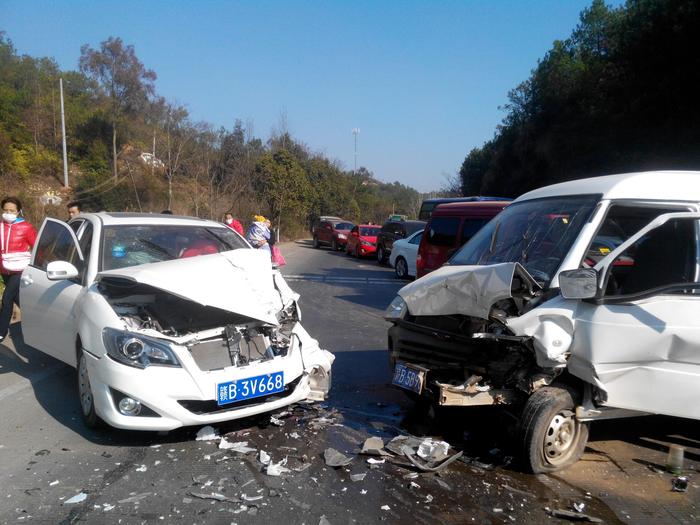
[48, 456]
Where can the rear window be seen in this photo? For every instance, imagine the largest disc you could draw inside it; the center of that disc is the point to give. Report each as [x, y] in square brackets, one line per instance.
[426, 210]
[470, 227]
[443, 231]
[344, 226]
[369, 232]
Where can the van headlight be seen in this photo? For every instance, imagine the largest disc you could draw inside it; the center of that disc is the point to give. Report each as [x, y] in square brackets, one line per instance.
[137, 350]
[396, 310]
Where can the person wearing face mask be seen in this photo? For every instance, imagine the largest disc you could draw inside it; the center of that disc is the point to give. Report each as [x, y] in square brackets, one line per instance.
[17, 239]
[232, 223]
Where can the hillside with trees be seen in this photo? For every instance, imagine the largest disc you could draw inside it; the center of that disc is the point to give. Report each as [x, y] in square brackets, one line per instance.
[130, 149]
[617, 96]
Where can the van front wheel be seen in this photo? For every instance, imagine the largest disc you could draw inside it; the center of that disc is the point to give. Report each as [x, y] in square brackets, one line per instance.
[550, 435]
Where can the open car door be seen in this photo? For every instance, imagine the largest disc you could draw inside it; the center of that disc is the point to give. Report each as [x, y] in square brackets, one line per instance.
[639, 339]
[49, 292]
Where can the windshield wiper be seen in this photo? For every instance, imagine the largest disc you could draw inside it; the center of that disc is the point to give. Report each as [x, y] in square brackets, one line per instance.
[492, 245]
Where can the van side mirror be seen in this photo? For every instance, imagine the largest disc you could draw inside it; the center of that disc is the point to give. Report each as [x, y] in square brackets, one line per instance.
[581, 283]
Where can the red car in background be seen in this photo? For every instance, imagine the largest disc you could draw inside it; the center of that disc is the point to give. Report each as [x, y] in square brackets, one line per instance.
[333, 232]
[362, 240]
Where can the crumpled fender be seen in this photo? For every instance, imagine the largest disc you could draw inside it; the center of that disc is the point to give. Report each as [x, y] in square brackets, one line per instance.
[317, 363]
[551, 327]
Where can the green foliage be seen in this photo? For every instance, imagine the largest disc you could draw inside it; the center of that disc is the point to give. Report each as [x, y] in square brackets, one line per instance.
[614, 97]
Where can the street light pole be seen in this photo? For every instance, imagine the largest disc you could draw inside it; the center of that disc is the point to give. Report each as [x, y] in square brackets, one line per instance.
[355, 132]
[63, 136]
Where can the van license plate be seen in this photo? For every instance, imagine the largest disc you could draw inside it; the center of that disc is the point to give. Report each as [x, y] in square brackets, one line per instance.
[409, 377]
[249, 388]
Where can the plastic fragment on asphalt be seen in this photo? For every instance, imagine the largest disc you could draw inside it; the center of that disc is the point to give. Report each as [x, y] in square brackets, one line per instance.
[135, 498]
[207, 433]
[373, 461]
[238, 446]
[277, 422]
[142, 468]
[679, 484]
[428, 498]
[363, 492]
[78, 498]
[573, 516]
[294, 435]
[414, 485]
[578, 507]
[427, 468]
[335, 459]
[264, 457]
[245, 497]
[386, 507]
[106, 507]
[397, 444]
[213, 496]
[358, 477]
[431, 450]
[53, 483]
[277, 469]
[324, 521]
[374, 446]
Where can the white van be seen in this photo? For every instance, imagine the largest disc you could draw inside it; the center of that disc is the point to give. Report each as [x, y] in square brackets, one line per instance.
[580, 301]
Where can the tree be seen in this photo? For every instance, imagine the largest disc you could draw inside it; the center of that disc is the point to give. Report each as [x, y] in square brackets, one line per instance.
[283, 184]
[125, 80]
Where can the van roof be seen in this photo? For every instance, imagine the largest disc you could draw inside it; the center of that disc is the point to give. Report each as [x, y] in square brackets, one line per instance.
[480, 208]
[651, 185]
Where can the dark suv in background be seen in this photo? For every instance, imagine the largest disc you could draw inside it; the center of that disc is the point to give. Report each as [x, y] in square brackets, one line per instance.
[331, 231]
[393, 231]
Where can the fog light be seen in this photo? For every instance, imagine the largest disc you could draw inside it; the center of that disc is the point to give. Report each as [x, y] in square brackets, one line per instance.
[129, 407]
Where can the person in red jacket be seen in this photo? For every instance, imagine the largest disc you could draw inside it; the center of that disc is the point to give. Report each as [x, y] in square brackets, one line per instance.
[17, 239]
[232, 223]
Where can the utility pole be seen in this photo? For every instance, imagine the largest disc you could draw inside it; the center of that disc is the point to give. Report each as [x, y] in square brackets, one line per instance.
[63, 136]
[356, 132]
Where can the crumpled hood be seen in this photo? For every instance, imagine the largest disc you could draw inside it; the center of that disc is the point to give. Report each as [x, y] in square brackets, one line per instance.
[239, 281]
[466, 290]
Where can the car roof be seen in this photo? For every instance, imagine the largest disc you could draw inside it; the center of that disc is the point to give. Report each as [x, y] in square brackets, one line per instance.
[117, 218]
[472, 198]
[368, 225]
[650, 185]
[411, 222]
[481, 208]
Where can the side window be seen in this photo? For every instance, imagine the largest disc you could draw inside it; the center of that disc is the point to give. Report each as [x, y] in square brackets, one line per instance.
[75, 225]
[416, 239]
[55, 244]
[443, 231]
[619, 225]
[470, 227]
[666, 255]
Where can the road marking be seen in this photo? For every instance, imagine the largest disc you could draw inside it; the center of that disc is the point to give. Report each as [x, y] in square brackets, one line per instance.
[343, 280]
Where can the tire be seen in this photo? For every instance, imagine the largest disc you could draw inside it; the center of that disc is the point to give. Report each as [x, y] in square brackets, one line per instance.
[401, 268]
[85, 397]
[551, 438]
[316, 244]
[334, 245]
[381, 255]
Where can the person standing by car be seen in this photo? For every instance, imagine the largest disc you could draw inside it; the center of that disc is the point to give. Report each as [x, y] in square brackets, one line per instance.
[232, 223]
[17, 239]
[74, 209]
[259, 233]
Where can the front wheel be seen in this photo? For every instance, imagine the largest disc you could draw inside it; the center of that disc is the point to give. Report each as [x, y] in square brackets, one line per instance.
[550, 435]
[87, 401]
[401, 268]
[381, 255]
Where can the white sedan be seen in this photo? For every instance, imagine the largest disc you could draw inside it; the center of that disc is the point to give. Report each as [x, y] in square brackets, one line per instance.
[403, 255]
[170, 321]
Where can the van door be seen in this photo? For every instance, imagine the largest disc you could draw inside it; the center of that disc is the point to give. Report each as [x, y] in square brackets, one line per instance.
[639, 341]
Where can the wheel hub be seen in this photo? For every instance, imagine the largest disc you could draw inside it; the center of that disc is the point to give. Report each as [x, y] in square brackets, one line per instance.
[560, 437]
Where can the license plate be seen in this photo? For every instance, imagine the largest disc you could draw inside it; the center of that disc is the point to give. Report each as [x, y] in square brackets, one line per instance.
[249, 388]
[408, 377]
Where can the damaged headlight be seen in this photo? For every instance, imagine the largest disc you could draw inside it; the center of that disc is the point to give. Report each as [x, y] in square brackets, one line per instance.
[137, 350]
[396, 310]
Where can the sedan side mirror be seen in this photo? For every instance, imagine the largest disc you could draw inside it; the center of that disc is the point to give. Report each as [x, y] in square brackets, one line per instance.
[581, 283]
[61, 270]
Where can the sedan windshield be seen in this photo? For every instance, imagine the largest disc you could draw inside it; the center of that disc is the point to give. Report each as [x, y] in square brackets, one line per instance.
[344, 226]
[537, 234]
[131, 245]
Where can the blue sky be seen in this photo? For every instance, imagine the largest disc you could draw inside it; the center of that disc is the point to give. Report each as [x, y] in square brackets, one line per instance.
[422, 80]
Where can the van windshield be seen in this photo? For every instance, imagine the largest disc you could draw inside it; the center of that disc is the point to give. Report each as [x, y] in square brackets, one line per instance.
[537, 234]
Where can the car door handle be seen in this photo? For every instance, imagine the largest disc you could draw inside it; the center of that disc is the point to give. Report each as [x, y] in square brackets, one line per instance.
[27, 280]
